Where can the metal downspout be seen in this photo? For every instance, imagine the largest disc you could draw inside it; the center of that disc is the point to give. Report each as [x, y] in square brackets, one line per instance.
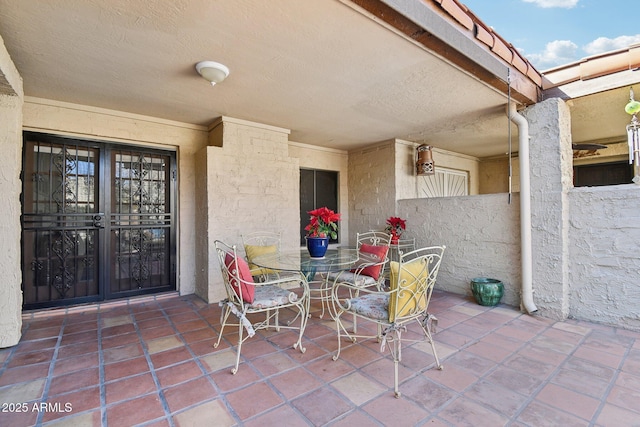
[525, 209]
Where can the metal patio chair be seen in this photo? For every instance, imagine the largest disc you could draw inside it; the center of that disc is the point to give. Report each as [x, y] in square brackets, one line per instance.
[411, 283]
[246, 298]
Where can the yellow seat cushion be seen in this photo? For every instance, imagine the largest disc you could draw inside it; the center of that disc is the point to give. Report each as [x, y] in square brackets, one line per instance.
[405, 302]
[253, 251]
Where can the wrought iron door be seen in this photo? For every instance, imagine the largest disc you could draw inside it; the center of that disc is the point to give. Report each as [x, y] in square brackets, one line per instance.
[97, 221]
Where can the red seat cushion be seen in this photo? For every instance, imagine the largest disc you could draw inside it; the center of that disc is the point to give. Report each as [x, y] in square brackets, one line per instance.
[380, 252]
[239, 267]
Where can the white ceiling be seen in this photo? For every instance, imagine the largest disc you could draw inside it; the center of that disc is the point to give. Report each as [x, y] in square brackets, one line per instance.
[330, 73]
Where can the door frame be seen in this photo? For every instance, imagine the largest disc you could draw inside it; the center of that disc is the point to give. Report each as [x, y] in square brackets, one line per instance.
[104, 179]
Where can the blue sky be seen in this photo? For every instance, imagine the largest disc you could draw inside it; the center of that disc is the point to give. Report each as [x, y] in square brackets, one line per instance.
[556, 32]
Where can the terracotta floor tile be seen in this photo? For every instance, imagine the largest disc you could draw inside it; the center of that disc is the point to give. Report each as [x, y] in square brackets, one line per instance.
[32, 358]
[322, 406]
[135, 411]
[427, 393]
[73, 381]
[170, 357]
[359, 389]
[36, 334]
[577, 381]
[129, 387]
[189, 394]
[539, 414]
[203, 414]
[79, 337]
[465, 412]
[157, 332]
[628, 380]
[612, 415]
[156, 321]
[389, 410]
[26, 391]
[283, 415]
[73, 403]
[24, 373]
[295, 382]
[500, 367]
[496, 397]
[163, 344]
[225, 381]
[77, 349]
[515, 380]
[191, 325]
[179, 373]
[625, 398]
[120, 340]
[37, 345]
[452, 377]
[125, 352]
[245, 403]
[272, 364]
[125, 368]
[71, 364]
[569, 401]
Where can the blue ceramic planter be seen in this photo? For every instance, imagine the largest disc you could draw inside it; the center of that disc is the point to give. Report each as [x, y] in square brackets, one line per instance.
[317, 246]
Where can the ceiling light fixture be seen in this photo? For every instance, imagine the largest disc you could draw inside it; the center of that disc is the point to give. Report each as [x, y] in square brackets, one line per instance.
[214, 72]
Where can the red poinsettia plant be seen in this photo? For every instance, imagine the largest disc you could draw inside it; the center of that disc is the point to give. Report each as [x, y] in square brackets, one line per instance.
[395, 226]
[323, 223]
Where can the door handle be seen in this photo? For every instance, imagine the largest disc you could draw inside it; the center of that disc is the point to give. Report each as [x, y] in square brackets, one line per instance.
[97, 221]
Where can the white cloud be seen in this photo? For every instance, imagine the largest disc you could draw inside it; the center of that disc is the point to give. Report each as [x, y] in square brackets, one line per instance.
[567, 4]
[604, 44]
[557, 52]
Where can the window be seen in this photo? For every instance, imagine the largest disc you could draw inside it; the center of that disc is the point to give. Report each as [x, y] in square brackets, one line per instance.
[318, 188]
[602, 174]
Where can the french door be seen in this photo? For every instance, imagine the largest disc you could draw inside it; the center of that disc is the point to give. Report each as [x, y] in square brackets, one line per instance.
[98, 221]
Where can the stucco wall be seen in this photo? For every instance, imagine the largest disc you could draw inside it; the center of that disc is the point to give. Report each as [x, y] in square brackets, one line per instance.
[605, 255]
[252, 184]
[372, 187]
[48, 116]
[551, 178]
[482, 235]
[408, 184]
[11, 101]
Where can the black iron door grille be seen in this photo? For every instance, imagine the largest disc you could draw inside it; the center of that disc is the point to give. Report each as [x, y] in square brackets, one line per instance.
[97, 221]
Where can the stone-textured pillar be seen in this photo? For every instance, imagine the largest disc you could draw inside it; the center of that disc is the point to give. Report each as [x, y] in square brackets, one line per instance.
[551, 177]
[11, 101]
[372, 187]
[245, 182]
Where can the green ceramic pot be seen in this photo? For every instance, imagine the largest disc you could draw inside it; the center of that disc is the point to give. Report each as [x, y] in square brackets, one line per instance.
[487, 291]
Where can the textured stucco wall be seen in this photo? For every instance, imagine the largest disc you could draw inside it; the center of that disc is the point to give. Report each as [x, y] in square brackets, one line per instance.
[372, 187]
[11, 101]
[41, 115]
[551, 178]
[605, 255]
[482, 235]
[252, 184]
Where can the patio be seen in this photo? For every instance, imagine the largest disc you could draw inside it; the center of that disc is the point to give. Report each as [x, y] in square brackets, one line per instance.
[150, 361]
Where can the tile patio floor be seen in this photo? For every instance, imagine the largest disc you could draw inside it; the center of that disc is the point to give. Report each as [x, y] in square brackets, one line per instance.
[150, 361]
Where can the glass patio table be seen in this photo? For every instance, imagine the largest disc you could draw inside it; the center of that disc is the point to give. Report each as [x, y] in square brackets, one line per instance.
[314, 269]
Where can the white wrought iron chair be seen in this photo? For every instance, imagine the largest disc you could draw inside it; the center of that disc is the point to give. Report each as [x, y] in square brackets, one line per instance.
[245, 298]
[406, 301]
[367, 274]
[260, 243]
[370, 271]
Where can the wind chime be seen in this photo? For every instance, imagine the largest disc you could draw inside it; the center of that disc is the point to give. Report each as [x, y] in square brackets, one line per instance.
[633, 136]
